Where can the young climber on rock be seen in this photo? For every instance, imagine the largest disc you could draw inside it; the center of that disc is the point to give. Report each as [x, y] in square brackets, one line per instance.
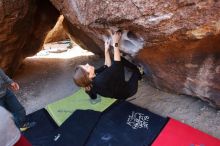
[9, 101]
[108, 80]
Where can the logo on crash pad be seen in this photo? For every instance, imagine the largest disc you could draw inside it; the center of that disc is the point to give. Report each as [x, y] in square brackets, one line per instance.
[138, 120]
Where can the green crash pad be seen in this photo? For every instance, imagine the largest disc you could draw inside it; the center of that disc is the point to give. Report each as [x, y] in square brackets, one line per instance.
[62, 109]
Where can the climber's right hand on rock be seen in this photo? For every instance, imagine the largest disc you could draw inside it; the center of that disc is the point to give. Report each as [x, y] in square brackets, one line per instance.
[116, 37]
[107, 45]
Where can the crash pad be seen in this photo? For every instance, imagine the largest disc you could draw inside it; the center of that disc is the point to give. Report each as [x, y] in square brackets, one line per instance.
[126, 125]
[176, 133]
[44, 126]
[62, 109]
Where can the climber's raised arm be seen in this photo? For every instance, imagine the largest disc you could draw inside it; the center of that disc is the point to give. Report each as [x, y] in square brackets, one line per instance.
[116, 37]
[107, 55]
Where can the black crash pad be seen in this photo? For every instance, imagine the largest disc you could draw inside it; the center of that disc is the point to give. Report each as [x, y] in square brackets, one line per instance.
[126, 125]
[44, 124]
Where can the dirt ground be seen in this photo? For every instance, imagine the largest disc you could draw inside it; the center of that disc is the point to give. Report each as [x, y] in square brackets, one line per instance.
[48, 77]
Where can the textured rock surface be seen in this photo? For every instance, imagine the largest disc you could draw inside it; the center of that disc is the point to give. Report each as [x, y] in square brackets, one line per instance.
[57, 33]
[176, 41]
[80, 37]
[181, 38]
[24, 25]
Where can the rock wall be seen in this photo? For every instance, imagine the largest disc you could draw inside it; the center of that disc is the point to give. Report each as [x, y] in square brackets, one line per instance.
[178, 42]
[181, 39]
[24, 25]
[57, 33]
[80, 37]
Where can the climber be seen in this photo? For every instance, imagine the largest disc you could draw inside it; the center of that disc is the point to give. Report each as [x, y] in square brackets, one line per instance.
[108, 80]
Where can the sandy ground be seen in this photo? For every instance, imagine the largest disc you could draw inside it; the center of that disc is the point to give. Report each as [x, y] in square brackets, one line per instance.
[48, 78]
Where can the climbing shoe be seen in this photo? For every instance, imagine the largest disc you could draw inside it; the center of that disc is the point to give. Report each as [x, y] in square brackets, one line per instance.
[97, 100]
[140, 71]
[27, 126]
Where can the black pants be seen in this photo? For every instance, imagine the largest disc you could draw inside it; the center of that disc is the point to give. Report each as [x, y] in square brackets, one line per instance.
[131, 85]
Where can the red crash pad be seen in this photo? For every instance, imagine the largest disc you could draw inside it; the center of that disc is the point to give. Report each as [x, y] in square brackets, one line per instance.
[23, 142]
[176, 133]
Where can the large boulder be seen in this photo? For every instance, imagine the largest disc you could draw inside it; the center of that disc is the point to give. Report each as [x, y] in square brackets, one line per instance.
[57, 33]
[24, 25]
[178, 42]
